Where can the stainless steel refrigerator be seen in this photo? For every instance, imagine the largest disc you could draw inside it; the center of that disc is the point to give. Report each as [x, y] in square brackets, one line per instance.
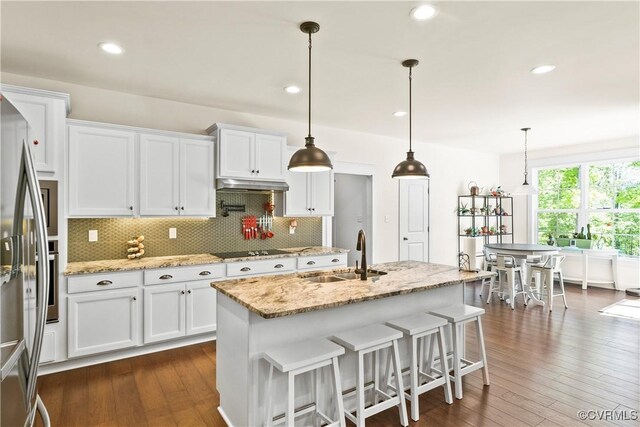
[24, 277]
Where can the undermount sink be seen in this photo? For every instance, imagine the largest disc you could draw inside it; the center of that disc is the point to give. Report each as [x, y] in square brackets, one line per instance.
[325, 279]
[370, 274]
[341, 277]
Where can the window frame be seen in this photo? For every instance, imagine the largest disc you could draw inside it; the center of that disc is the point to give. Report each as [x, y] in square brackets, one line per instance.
[584, 211]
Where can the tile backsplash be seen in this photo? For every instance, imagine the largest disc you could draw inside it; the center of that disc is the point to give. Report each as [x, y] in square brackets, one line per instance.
[194, 235]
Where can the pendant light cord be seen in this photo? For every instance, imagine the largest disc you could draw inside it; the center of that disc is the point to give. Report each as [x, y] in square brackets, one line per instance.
[526, 160]
[410, 69]
[309, 84]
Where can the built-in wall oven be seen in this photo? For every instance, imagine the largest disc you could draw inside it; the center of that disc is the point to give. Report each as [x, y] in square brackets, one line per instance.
[49, 194]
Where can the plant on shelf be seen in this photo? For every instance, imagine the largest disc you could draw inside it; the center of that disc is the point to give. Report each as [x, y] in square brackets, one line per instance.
[492, 230]
[472, 231]
[463, 210]
[485, 210]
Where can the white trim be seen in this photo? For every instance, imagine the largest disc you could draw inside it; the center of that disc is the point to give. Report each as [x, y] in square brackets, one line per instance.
[577, 159]
[76, 122]
[217, 126]
[39, 92]
[365, 169]
[79, 362]
[224, 416]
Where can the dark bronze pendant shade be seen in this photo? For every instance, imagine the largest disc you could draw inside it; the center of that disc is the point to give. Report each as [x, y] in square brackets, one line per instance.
[410, 168]
[310, 158]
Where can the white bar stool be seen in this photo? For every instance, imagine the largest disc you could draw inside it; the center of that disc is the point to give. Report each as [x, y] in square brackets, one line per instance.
[296, 359]
[458, 316]
[423, 329]
[507, 264]
[548, 272]
[372, 339]
[488, 264]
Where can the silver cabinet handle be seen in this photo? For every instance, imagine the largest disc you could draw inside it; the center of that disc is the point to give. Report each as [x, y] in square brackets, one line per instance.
[245, 269]
[278, 266]
[166, 277]
[104, 283]
[204, 273]
[311, 262]
[335, 260]
[134, 298]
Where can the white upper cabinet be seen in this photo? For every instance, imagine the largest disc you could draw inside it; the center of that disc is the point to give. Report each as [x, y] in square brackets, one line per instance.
[270, 157]
[101, 171]
[46, 113]
[237, 154]
[197, 193]
[159, 175]
[176, 176]
[250, 153]
[310, 193]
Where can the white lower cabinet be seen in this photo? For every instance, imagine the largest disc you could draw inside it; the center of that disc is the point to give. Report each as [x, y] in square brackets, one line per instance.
[164, 312]
[180, 309]
[103, 321]
[201, 308]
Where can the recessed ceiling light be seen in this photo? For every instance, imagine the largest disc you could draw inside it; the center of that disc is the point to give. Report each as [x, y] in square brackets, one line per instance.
[400, 113]
[292, 89]
[424, 12]
[111, 48]
[542, 69]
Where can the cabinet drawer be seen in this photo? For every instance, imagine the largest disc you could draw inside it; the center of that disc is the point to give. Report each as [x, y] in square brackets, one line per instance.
[183, 274]
[322, 261]
[266, 266]
[103, 281]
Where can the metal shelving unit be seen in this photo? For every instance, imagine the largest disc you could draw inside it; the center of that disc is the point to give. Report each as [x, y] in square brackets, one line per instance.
[486, 212]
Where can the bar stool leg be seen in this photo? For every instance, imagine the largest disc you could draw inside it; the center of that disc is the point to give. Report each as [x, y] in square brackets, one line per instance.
[269, 412]
[413, 372]
[289, 417]
[491, 286]
[444, 366]
[456, 361]
[432, 345]
[337, 383]
[564, 296]
[397, 368]
[360, 390]
[315, 376]
[483, 352]
[549, 279]
[376, 375]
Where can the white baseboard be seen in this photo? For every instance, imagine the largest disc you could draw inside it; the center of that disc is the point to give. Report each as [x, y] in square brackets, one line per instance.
[224, 416]
[95, 359]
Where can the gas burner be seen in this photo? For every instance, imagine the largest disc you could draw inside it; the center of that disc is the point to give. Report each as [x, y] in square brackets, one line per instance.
[264, 252]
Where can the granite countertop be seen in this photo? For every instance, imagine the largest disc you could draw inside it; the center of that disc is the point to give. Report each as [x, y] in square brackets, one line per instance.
[284, 295]
[109, 265]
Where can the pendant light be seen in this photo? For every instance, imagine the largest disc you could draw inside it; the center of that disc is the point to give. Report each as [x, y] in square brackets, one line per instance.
[310, 158]
[525, 189]
[410, 168]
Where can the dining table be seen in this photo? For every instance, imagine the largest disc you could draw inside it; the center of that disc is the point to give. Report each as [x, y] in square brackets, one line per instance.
[524, 252]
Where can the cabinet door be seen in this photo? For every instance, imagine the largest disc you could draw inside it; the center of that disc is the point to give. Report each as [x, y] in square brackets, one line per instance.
[197, 191]
[297, 201]
[270, 157]
[201, 307]
[322, 193]
[39, 112]
[103, 321]
[101, 171]
[236, 153]
[159, 176]
[164, 316]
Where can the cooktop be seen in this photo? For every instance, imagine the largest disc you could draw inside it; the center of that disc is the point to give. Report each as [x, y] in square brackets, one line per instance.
[257, 252]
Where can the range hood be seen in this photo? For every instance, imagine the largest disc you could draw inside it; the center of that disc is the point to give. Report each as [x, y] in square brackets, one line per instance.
[250, 185]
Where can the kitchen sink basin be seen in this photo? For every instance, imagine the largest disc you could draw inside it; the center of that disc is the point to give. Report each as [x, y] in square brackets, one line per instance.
[325, 279]
[341, 277]
[370, 274]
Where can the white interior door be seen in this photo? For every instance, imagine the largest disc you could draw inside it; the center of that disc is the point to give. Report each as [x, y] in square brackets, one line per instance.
[414, 220]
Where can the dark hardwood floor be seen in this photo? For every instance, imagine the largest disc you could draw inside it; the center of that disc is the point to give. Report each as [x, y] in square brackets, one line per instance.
[544, 368]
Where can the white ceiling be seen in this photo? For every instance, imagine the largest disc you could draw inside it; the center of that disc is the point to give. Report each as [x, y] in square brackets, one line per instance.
[472, 88]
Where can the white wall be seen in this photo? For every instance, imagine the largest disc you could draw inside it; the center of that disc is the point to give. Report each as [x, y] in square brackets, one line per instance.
[511, 175]
[450, 168]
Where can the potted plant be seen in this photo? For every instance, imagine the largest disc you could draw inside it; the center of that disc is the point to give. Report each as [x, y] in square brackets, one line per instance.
[463, 210]
[551, 241]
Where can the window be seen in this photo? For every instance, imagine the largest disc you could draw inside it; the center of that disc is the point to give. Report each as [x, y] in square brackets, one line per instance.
[605, 196]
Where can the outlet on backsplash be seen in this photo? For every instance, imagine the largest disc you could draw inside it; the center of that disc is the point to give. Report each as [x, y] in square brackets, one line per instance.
[197, 235]
[172, 233]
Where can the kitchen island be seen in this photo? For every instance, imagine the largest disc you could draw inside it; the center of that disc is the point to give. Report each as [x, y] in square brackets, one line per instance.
[256, 314]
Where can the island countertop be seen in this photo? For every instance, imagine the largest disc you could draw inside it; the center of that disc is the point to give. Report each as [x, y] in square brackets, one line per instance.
[284, 295]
